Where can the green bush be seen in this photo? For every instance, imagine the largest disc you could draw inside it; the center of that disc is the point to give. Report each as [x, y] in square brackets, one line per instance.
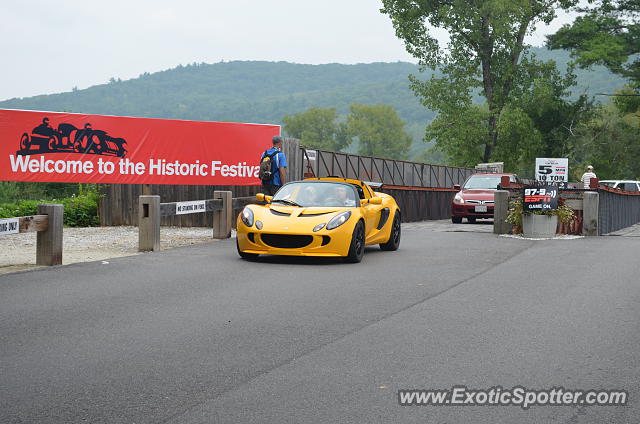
[79, 211]
[82, 210]
[19, 208]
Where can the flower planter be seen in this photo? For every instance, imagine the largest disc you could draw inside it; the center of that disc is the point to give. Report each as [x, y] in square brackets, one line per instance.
[539, 226]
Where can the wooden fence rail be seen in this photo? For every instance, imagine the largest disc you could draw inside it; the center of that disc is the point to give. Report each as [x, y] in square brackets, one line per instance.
[48, 224]
[150, 210]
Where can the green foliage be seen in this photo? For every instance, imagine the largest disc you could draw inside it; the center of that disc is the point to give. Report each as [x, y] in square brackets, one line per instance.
[19, 208]
[82, 210]
[318, 128]
[379, 130]
[607, 33]
[484, 52]
[610, 142]
[266, 91]
[79, 211]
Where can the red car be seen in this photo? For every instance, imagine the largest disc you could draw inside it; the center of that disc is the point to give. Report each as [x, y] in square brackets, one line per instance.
[475, 198]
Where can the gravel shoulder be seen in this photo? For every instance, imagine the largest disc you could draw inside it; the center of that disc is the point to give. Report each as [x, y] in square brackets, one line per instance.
[18, 251]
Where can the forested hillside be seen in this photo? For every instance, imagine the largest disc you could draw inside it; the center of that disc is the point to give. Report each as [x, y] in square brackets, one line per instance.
[263, 92]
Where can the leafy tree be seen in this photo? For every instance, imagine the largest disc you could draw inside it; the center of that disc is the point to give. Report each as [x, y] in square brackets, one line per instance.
[609, 141]
[379, 130]
[608, 33]
[317, 128]
[485, 51]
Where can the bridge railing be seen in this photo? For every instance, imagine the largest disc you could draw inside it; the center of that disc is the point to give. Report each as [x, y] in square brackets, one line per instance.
[48, 223]
[323, 163]
[617, 209]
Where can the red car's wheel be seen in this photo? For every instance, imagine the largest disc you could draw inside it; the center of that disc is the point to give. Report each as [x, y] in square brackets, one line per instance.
[456, 219]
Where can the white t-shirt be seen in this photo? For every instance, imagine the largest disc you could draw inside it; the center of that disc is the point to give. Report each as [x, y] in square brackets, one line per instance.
[586, 178]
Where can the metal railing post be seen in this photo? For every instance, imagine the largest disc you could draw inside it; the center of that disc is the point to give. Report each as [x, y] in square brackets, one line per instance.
[148, 223]
[49, 241]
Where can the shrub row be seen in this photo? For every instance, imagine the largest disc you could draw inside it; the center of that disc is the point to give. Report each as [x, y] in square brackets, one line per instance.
[79, 211]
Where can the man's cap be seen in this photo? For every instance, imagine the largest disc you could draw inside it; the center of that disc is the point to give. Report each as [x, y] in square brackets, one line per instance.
[276, 139]
[589, 167]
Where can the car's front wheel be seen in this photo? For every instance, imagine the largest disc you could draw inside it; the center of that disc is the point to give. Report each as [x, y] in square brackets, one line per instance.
[394, 239]
[245, 255]
[356, 249]
[456, 219]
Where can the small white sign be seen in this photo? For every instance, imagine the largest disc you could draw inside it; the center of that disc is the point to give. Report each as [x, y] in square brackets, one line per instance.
[191, 207]
[311, 154]
[9, 226]
[552, 170]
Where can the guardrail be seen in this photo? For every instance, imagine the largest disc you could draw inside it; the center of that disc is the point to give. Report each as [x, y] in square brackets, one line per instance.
[150, 211]
[48, 224]
[617, 209]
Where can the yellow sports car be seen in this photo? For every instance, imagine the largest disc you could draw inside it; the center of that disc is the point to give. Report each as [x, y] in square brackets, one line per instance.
[319, 217]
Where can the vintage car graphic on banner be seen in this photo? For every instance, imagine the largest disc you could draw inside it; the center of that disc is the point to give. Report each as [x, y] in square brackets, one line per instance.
[69, 147]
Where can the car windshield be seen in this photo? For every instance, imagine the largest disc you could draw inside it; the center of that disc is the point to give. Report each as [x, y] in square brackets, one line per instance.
[608, 183]
[308, 194]
[483, 182]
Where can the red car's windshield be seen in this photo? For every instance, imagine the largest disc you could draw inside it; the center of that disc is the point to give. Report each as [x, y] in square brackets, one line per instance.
[483, 182]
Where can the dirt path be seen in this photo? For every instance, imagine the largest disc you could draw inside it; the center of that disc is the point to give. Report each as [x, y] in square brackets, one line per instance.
[18, 251]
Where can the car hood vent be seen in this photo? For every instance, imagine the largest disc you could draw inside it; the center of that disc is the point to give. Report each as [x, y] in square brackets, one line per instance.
[302, 215]
[278, 213]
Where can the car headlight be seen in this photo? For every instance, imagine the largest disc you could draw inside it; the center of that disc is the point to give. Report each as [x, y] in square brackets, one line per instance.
[318, 227]
[247, 216]
[338, 220]
[458, 199]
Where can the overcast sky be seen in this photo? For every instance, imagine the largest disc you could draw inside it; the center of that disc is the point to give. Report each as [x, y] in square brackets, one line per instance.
[51, 46]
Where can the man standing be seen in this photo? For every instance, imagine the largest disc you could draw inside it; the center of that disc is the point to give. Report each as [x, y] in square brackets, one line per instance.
[586, 177]
[273, 179]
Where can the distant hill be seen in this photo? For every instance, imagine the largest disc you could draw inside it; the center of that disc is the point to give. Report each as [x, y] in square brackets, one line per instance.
[263, 92]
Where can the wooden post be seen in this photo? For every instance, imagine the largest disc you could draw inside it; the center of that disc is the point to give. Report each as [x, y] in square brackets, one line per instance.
[49, 241]
[500, 209]
[291, 149]
[148, 223]
[222, 217]
[590, 203]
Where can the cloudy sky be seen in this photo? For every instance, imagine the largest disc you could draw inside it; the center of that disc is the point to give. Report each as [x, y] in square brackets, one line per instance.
[51, 46]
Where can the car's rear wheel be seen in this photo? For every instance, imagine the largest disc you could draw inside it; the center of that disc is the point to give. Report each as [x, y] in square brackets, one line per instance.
[245, 255]
[394, 239]
[356, 249]
[456, 219]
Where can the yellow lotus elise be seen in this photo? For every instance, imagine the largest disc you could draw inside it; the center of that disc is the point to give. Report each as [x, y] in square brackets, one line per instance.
[319, 217]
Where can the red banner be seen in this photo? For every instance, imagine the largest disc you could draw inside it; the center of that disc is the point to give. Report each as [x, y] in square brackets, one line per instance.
[67, 147]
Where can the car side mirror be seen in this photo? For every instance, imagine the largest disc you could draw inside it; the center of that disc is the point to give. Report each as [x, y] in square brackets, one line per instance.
[456, 187]
[375, 200]
[260, 197]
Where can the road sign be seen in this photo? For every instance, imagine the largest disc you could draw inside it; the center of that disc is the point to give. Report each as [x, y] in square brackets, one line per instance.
[550, 170]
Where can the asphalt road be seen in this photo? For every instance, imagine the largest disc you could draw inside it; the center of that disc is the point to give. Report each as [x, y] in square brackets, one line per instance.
[196, 335]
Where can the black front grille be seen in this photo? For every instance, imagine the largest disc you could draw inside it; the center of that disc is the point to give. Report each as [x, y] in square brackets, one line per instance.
[286, 241]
